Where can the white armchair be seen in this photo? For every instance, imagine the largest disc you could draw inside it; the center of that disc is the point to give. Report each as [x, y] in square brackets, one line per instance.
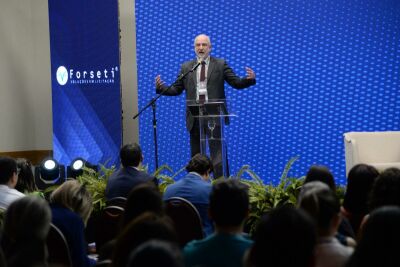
[379, 149]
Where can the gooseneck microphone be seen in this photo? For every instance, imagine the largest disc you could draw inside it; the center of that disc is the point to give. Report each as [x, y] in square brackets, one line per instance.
[196, 66]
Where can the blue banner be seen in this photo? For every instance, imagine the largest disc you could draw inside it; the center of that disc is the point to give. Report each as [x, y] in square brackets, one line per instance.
[85, 71]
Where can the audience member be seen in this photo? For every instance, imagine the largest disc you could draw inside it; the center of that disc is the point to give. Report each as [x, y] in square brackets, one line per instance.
[380, 240]
[195, 187]
[285, 237]
[229, 208]
[386, 189]
[8, 181]
[122, 181]
[156, 253]
[26, 180]
[359, 184]
[324, 207]
[26, 225]
[322, 174]
[144, 228]
[71, 205]
[143, 198]
[345, 234]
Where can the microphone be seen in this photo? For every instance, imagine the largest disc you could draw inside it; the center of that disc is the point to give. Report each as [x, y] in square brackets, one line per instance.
[195, 66]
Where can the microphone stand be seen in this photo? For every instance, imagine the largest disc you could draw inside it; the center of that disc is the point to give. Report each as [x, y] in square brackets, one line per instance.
[152, 103]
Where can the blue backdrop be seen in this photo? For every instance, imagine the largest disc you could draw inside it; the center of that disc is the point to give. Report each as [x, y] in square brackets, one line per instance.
[84, 43]
[323, 68]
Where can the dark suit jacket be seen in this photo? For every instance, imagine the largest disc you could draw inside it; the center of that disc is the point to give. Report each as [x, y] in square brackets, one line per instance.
[218, 72]
[123, 180]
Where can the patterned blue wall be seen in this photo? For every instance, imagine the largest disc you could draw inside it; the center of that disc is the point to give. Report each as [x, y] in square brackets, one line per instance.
[323, 68]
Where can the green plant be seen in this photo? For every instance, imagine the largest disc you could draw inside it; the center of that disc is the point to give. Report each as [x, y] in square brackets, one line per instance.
[95, 182]
[264, 197]
[163, 179]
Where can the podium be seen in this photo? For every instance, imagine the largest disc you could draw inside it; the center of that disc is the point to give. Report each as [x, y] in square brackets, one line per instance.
[211, 117]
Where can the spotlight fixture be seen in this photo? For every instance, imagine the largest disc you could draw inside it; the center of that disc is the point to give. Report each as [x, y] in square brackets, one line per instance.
[49, 172]
[75, 169]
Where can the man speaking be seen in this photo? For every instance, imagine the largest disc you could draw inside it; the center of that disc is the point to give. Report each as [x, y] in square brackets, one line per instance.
[206, 81]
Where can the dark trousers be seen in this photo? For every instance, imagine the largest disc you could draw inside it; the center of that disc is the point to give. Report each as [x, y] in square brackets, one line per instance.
[214, 146]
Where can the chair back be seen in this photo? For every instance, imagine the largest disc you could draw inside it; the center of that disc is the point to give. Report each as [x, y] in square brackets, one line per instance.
[106, 225]
[57, 247]
[117, 201]
[186, 218]
[378, 149]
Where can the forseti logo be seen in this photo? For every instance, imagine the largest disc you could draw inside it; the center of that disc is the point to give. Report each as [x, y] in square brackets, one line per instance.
[62, 75]
[86, 76]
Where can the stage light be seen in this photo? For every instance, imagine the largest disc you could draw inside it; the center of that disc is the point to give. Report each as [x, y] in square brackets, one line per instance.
[49, 172]
[75, 169]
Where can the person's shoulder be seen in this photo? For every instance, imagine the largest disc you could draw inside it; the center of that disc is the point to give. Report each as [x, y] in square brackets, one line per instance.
[188, 63]
[116, 173]
[16, 193]
[244, 238]
[170, 189]
[217, 60]
[65, 215]
[194, 245]
[145, 175]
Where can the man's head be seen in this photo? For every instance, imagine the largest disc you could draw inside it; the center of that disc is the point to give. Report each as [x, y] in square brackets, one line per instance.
[8, 171]
[200, 164]
[202, 46]
[131, 155]
[229, 203]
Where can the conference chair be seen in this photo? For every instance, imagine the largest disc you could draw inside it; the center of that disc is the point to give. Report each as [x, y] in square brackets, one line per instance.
[378, 149]
[57, 246]
[106, 225]
[117, 201]
[186, 219]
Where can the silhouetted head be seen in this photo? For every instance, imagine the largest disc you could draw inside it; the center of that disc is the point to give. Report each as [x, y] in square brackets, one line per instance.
[8, 170]
[156, 253]
[379, 243]
[26, 180]
[131, 155]
[322, 174]
[322, 204]
[229, 202]
[285, 237]
[359, 184]
[200, 164]
[386, 189]
[143, 198]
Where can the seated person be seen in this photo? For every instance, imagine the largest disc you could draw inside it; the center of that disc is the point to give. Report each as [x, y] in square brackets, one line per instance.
[147, 226]
[71, 206]
[156, 253]
[229, 208]
[379, 243]
[345, 233]
[359, 185]
[26, 225]
[8, 181]
[122, 181]
[323, 206]
[195, 187]
[26, 181]
[285, 237]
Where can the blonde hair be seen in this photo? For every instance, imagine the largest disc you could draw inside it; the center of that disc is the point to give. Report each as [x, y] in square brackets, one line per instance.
[75, 197]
